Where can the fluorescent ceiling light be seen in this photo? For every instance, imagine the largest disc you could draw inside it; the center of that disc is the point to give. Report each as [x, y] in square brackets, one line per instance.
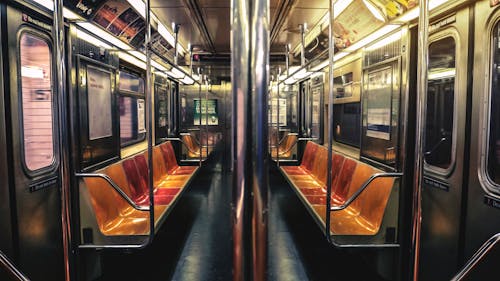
[290, 80]
[303, 73]
[372, 37]
[49, 4]
[91, 39]
[442, 73]
[100, 33]
[176, 73]
[387, 40]
[413, 13]
[140, 7]
[187, 80]
[320, 66]
[132, 60]
[375, 10]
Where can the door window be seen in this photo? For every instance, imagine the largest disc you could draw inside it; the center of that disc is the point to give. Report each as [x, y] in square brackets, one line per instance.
[439, 137]
[493, 147]
[37, 108]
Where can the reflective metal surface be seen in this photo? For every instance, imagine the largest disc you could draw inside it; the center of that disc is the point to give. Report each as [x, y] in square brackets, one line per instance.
[331, 54]
[423, 35]
[11, 269]
[59, 38]
[250, 66]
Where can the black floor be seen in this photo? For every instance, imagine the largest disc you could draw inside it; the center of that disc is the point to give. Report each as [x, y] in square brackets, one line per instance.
[195, 240]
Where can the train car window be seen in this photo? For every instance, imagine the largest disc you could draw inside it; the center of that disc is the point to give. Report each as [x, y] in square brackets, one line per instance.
[440, 103]
[37, 108]
[132, 109]
[162, 110]
[493, 152]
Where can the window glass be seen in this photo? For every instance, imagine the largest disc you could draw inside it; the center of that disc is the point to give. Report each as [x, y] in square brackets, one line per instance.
[132, 109]
[493, 166]
[36, 94]
[440, 103]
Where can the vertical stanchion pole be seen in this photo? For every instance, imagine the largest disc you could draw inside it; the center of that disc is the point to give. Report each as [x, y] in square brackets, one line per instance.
[287, 59]
[249, 71]
[423, 36]
[59, 39]
[206, 116]
[303, 44]
[149, 118]
[331, 53]
[278, 139]
[241, 194]
[200, 87]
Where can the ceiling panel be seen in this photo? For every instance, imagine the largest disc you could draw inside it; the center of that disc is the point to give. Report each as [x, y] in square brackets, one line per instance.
[219, 27]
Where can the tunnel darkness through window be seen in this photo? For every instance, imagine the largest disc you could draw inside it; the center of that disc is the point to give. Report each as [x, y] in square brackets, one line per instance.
[440, 103]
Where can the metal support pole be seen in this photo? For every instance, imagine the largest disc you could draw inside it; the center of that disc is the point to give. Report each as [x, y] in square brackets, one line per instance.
[206, 115]
[199, 108]
[302, 44]
[250, 63]
[287, 59]
[149, 118]
[59, 38]
[176, 50]
[190, 60]
[331, 54]
[423, 36]
[278, 122]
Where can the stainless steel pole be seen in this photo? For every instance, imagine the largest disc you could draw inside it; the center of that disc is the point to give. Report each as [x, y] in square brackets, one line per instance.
[302, 44]
[241, 194]
[278, 123]
[331, 54]
[149, 118]
[250, 63]
[58, 27]
[176, 50]
[259, 68]
[287, 59]
[423, 36]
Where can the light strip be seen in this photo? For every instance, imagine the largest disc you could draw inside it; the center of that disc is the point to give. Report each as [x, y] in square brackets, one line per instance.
[49, 4]
[376, 12]
[440, 74]
[413, 13]
[386, 41]
[372, 37]
[176, 73]
[91, 39]
[140, 7]
[187, 80]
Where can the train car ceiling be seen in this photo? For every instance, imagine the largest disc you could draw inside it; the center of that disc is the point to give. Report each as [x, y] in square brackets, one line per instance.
[205, 30]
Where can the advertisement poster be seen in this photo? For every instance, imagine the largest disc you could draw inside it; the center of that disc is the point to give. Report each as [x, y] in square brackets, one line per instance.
[354, 23]
[99, 103]
[379, 99]
[273, 111]
[141, 114]
[208, 112]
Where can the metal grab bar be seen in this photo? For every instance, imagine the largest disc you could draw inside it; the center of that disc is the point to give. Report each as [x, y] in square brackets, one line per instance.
[362, 188]
[477, 257]
[11, 269]
[115, 187]
[294, 143]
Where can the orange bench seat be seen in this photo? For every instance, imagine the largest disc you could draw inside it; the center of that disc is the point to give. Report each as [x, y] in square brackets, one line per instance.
[116, 216]
[364, 215]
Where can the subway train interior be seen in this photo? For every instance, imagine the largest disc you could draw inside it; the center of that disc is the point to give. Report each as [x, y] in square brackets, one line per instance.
[249, 140]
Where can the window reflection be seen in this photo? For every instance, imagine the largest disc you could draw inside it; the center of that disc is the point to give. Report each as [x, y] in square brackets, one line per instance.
[440, 103]
[36, 94]
[494, 135]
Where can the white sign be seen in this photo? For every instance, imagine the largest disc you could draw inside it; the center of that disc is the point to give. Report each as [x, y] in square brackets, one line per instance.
[141, 122]
[99, 103]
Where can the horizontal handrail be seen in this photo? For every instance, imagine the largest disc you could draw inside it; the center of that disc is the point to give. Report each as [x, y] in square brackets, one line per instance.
[286, 136]
[114, 186]
[477, 257]
[307, 139]
[15, 273]
[362, 188]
